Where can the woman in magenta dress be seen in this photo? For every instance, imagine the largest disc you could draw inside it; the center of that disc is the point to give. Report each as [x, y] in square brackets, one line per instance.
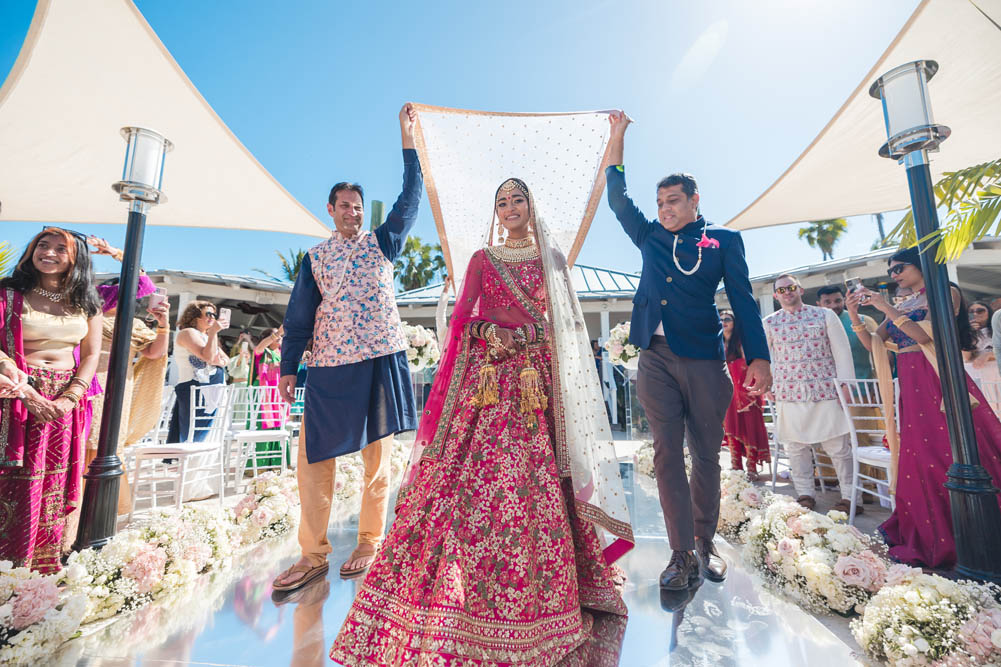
[744, 425]
[919, 531]
[48, 307]
[264, 372]
[496, 555]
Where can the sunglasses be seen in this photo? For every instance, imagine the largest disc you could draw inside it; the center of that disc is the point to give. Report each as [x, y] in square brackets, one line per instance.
[210, 315]
[726, 319]
[790, 289]
[978, 311]
[896, 269]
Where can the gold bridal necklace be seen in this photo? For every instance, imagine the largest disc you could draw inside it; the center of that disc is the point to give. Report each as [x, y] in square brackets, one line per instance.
[55, 297]
[516, 250]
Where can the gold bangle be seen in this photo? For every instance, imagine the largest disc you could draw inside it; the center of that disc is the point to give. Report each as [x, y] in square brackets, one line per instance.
[859, 327]
[73, 397]
[901, 320]
[161, 330]
[80, 383]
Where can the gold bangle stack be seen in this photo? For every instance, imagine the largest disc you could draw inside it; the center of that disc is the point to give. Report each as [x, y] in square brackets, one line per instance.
[161, 330]
[901, 320]
[859, 328]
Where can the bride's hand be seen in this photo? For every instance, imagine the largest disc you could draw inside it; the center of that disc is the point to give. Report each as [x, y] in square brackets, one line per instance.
[511, 346]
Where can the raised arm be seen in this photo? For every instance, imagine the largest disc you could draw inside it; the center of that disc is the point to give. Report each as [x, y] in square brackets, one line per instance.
[393, 233]
[626, 212]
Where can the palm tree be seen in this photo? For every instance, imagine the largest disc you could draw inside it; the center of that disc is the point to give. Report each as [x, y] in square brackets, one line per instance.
[971, 198]
[418, 264]
[824, 234]
[290, 265]
[6, 258]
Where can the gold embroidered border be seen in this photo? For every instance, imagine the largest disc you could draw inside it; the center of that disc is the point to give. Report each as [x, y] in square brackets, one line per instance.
[6, 412]
[510, 633]
[596, 515]
[451, 396]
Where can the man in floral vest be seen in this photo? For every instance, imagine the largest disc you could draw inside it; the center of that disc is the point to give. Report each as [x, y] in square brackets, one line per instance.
[358, 393]
[809, 349]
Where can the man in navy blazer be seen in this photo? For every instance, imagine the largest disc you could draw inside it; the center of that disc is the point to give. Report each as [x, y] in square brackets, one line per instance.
[683, 383]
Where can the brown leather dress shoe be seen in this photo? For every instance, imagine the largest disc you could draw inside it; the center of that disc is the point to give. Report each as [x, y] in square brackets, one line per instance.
[711, 564]
[681, 571]
[809, 502]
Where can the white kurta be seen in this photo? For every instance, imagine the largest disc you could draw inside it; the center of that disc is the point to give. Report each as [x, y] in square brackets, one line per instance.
[816, 421]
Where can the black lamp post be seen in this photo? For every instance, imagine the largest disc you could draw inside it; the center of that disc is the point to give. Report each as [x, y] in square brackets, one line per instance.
[142, 177]
[911, 132]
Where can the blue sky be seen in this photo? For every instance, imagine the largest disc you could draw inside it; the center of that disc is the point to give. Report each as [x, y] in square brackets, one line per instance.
[729, 90]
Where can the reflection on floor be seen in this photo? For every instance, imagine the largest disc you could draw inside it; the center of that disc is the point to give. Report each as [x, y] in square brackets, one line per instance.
[233, 620]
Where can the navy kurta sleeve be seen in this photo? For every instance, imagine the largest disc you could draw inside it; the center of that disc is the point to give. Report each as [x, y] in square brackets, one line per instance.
[392, 234]
[738, 291]
[300, 317]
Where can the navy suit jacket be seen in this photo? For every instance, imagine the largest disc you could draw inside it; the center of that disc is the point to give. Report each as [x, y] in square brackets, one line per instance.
[686, 305]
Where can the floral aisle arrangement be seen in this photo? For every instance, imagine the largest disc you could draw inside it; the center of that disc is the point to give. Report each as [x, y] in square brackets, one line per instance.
[149, 559]
[422, 347]
[35, 617]
[739, 501]
[925, 619]
[620, 351]
[818, 560]
[270, 509]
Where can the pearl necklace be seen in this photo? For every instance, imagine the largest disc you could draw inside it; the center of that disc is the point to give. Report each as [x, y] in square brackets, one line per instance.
[55, 297]
[698, 262]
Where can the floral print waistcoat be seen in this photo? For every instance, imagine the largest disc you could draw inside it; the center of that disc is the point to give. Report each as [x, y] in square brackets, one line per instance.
[357, 318]
[803, 367]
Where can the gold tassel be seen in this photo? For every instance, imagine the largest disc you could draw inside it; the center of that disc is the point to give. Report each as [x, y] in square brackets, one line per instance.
[488, 393]
[532, 396]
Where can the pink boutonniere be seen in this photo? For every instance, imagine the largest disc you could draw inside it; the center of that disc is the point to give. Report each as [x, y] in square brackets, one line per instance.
[707, 242]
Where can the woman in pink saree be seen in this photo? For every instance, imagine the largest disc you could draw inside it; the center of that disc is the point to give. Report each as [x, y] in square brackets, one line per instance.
[511, 514]
[48, 306]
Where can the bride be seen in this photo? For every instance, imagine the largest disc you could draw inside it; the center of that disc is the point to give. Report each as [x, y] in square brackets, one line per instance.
[512, 513]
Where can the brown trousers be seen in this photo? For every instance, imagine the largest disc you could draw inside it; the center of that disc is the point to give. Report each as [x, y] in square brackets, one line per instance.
[685, 396]
[316, 491]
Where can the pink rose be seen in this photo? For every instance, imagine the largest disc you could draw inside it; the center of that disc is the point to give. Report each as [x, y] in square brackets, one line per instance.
[750, 496]
[788, 547]
[246, 503]
[33, 599]
[147, 567]
[977, 632]
[855, 571]
[262, 517]
[795, 525]
[198, 553]
[878, 566]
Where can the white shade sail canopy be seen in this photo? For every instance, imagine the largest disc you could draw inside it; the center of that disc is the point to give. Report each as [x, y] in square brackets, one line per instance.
[86, 70]
[840, 173]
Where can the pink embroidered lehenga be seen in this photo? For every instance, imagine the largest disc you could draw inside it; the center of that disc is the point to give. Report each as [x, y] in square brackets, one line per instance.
[495, 556]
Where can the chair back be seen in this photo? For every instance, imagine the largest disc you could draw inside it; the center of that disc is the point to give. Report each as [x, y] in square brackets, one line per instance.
[863, 407]
[992, 392]
[257, 409]
[159, 432]
[213, 400]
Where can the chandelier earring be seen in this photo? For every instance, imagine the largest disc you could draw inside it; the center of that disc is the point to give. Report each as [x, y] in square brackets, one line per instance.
[500, 235]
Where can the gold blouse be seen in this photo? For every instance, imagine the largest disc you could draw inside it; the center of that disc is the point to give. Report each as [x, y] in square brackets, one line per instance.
[44, 331]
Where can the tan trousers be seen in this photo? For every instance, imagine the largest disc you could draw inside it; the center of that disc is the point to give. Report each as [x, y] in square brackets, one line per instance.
[316, 490]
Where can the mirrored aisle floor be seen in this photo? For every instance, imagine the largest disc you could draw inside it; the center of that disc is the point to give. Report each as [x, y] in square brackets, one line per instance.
[232, 619]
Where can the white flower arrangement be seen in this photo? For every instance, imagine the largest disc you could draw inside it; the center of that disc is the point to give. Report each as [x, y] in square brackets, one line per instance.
[925, 619]
[739, 501]
[620, 351]
[816, 559]
[269, 510]
[422, 347]
[35, 616]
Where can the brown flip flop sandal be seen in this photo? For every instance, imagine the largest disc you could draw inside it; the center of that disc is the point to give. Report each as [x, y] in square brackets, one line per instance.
[309, 574]
[348, 573]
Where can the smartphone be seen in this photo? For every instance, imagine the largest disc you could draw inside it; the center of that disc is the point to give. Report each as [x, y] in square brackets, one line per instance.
[157, 298]
[853, 284]
[244, 346]
[225, 316]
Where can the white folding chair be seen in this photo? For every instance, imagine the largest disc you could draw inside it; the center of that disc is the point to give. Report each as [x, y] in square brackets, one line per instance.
[864, 410]
[294, 423]
[992, 392]
[257, 415]
[179, 465]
